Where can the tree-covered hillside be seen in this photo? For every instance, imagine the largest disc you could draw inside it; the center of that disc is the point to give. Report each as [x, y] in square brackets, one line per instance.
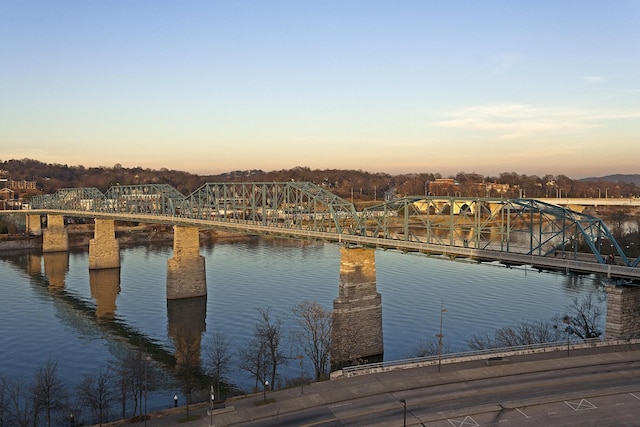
[356, 185]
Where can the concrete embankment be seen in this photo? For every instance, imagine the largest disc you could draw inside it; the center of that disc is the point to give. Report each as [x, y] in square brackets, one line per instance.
[20, 243]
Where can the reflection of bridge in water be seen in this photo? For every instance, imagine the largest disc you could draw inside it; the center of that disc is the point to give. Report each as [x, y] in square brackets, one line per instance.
[47, 273]
[511, 231]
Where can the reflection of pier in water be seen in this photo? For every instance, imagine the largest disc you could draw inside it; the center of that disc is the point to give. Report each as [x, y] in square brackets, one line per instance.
[186, 324]
[357, 309]
[82, 315]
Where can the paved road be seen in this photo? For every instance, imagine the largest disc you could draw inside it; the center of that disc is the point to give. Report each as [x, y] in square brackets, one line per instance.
[594, 387]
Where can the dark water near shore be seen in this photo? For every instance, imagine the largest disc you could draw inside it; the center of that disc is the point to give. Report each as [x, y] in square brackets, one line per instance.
[54, 317]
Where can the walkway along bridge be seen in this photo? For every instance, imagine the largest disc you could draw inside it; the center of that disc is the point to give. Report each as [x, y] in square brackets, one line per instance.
[510, 231]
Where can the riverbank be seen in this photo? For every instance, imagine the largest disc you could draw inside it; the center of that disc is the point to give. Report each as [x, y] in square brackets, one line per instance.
[127, 235]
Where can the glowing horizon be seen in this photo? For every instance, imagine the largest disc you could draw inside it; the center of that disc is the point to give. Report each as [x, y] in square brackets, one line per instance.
[210, 87]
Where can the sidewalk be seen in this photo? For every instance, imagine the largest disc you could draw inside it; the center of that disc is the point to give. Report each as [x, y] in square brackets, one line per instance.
[247, 408]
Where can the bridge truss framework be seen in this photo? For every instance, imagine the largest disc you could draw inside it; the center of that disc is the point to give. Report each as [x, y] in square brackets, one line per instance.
[519, 226]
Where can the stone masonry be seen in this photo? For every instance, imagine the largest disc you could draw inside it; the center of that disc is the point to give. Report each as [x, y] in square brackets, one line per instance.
[623, 312]
[357, 311]
[55, 237]
[104, 250]
[186, 276]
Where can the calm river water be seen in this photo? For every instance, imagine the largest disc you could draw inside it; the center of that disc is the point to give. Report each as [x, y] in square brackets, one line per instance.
[38, 323]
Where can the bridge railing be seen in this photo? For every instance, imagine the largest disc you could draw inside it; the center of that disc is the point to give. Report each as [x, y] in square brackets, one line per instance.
[515, 226]
[486, 354]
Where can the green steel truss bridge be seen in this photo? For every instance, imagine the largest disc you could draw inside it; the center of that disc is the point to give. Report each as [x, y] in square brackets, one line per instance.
[511, 231]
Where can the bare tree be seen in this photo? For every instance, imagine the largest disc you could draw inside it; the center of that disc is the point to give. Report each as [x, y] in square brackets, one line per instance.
[583, 316]
[314, 335]
[426, 348]
[48, 390]
[582, 319]
[262, 355]
[132, 378]
[524, 333]
[269, 332]
[218, 359]
[188, 363]
[4, 399]
[97, 393]
[254, 359]
[21, 412]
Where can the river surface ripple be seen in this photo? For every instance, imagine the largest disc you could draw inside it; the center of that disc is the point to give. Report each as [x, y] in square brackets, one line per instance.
[37, 324]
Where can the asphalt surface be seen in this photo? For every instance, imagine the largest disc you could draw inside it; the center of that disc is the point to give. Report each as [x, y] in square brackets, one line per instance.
[382, 393]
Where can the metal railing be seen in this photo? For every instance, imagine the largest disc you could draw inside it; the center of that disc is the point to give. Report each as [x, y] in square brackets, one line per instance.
[476, 355]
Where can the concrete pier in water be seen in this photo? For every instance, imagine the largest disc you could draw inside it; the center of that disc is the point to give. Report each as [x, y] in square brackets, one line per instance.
[186, 276]
[104, 250]
[623, 312]
[357, 311]
[55, 237]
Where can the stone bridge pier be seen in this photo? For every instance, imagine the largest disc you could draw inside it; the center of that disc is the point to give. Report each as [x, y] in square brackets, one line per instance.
[186, 276]
[34, 224]
[104, 250]
[55, 237]
[623, 312]
[357, 311]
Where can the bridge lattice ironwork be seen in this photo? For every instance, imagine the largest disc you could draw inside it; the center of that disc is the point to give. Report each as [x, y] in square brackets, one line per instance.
[521, 226]
[278, 204]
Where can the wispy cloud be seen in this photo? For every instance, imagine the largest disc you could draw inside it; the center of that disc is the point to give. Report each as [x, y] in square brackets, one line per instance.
[593, 79]
[506, 62]
[511, 121]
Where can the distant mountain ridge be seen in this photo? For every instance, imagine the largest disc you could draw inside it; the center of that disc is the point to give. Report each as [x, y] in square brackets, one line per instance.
[627, 178]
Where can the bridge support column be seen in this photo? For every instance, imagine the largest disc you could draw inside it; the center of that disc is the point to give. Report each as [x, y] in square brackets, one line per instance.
[55, 237]
[357, 311]
[104, 250]
[185, 271]
[623, 312]
[34, 225]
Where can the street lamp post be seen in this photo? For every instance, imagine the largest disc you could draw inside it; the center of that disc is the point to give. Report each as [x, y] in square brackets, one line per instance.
[439, 336]
[404, 412]
[211, 408]
[264, 390]
[568, 330]
[301, 358]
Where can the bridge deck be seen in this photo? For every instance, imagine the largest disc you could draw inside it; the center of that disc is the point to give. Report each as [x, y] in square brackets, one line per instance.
[508, 258]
